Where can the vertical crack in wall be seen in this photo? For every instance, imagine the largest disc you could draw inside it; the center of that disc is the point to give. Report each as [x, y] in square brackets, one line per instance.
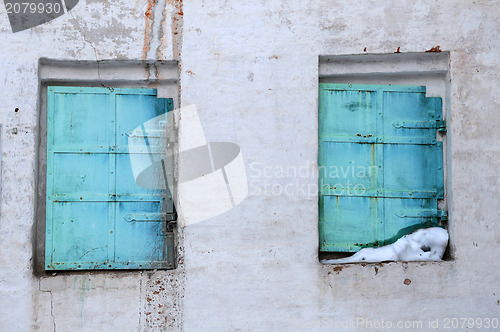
[51, 304]
[84, 35]
[85, 39]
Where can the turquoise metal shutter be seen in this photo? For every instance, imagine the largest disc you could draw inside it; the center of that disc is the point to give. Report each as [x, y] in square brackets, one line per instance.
[380, 165]
[91, 193]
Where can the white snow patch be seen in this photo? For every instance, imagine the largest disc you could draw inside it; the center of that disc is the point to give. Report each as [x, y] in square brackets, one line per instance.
[426, 244]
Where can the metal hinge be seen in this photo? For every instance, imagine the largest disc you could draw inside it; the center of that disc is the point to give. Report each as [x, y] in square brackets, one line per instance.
[151, 217]
[152, 133]
[422, 213]
[170, 137]
[439, 125]
[443, 215]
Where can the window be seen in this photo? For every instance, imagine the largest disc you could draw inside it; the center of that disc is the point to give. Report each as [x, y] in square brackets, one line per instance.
[97, 217]
[380, 164]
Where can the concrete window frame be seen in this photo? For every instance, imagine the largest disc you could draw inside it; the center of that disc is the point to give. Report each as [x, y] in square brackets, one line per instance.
[430, 69]
[160, 75]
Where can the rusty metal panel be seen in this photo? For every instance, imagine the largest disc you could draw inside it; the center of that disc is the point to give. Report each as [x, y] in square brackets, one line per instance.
[90, 185]
[380, 166]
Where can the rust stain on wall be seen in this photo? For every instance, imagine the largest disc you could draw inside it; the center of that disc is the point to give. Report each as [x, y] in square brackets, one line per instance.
[177, 27]
[163, 34]
[435, 49]
[338, 269]
[161, 303]
[175, 8]
[148, 28]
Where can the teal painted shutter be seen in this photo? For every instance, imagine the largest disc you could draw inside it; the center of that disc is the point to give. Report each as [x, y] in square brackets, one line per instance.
[91, 192]
[380, 165]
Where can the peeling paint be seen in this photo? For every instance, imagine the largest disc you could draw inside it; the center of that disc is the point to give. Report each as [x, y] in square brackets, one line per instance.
[434, 49]
[148, 27]
[162, 34]
[177, 27]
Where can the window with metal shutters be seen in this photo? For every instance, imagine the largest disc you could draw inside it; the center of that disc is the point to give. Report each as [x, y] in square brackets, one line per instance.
[380, 164]
[97, 217]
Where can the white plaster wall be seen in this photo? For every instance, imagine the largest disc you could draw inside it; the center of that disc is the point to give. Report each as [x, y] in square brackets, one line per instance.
[251, 68]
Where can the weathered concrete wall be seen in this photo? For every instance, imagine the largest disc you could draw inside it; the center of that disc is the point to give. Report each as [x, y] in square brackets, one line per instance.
[251, 68]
